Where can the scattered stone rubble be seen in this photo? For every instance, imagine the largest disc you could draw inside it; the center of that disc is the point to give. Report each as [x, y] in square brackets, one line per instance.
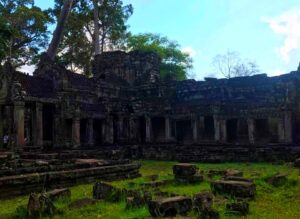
[234, 188]
[187, 173]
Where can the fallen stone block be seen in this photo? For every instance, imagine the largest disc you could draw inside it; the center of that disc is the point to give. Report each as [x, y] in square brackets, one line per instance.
[170, 207]
[184, 169]
[234, 188]
[277, 180]
[40, 205]
[105, 191]
[238, 208]
[56, 194]
[82, 203]
[203, 200]
[209, 213]
[212, 173]
[236, 178]
[232, 172]
[156, 183]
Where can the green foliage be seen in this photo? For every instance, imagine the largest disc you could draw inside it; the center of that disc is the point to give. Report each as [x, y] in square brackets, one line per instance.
[77, 47]
[175, 63]
[25, 32]
[5, 35]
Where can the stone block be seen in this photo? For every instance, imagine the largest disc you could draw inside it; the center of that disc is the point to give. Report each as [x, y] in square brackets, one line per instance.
[232, 172]
[190, 179]
[277, 180]
[59, 194]
[105, 191]
[237, 178]
[209, 213]
[184, 169]
[170, 207]
[234, 188]
[203, 200]
[238, 208]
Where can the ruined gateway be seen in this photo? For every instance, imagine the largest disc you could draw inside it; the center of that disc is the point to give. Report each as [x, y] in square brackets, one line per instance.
[125, 105]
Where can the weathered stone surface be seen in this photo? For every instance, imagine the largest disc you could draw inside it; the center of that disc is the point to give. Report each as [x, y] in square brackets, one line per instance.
[184, 169]
[238, 208]
[59, 194]
[156, 183]
[203, 200]
[89, 162]
[40, 205]
[137, 198]
[277, 180]
[170, 207]
[234, 188]
[82, 203]
[236, 178]
[232, 172]
[105, 191]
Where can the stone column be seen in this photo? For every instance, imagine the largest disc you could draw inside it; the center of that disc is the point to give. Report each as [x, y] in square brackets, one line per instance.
[38, 124]
[76, 132]
[121, 128]
[194, 123]
[149, 133]
[133, 129]
[90, 132]
[288, 127]
[109, 130]
[281, 132]
[217, 126]
[251, 130]
[223, 127]
[168, 133]
[19, 110]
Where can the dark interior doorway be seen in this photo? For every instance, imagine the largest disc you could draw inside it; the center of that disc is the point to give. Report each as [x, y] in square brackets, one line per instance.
[209, 128]
[98, 130]
[184, 131]
[48, 111]
[83, 132]
[262, 130]
[158, 127]
[232, 130]
[142, 129]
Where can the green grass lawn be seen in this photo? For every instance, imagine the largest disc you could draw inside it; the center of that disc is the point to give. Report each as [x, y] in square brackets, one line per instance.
[270, 202]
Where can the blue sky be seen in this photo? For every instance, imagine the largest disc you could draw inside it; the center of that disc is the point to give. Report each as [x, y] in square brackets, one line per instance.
[265, 31]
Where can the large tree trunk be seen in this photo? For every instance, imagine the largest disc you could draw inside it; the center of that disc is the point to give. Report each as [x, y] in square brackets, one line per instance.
[58, 33]
[96, 31]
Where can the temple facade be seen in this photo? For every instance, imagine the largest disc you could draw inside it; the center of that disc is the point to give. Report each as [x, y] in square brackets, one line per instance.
[126, 103]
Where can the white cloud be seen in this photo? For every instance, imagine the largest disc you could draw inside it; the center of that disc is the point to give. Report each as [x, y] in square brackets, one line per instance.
[288, 25]
[189, 50]
[277, 72]
[29, 69]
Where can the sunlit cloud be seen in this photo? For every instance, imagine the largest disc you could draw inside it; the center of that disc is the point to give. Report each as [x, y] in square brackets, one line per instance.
[288, 25]
[189, 50]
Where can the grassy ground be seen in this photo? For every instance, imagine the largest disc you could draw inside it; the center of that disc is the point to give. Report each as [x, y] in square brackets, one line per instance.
[271, 202]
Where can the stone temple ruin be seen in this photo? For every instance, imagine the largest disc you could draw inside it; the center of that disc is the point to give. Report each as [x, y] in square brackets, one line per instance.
[126, 104]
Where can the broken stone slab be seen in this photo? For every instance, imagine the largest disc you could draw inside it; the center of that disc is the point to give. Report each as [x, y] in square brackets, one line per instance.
[236, 178]
[170, 207]
[56, 194]
[190, 179]
[231, 172]
[203, 200]
[277, 180]
[297, 163]
[234, 188]
[238, 208]
[40, 205]
[105, 191]
[184, 169]
[82, 203]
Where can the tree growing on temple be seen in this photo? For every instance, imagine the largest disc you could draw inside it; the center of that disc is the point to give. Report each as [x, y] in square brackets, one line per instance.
[175, 63]
[230, 65]
[78, 44]
[28, 35]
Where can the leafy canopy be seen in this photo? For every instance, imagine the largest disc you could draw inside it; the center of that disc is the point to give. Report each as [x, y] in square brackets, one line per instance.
[175, 63]
[27, 26]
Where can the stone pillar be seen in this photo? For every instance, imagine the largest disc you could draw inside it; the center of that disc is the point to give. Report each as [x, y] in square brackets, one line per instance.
[168, 131]
[251, 130]
[90, 132]
[38, 125]
[109, 130]
[217, 126]
[281, 132]
[149, 133]
[201, 128]
[194, 123]
[133, 129]
[121, 128]
[223, 131]
[76, 132]
[288, 127]
[19, 110]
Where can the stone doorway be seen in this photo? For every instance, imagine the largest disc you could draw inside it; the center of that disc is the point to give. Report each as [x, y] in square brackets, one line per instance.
[159, 127]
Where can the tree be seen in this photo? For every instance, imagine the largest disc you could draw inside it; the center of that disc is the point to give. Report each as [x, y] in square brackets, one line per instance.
[231, 65]
[27, 25]
[5, 36]
[78, 45]
[96, 24]
[58, 33]
[175, 64]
